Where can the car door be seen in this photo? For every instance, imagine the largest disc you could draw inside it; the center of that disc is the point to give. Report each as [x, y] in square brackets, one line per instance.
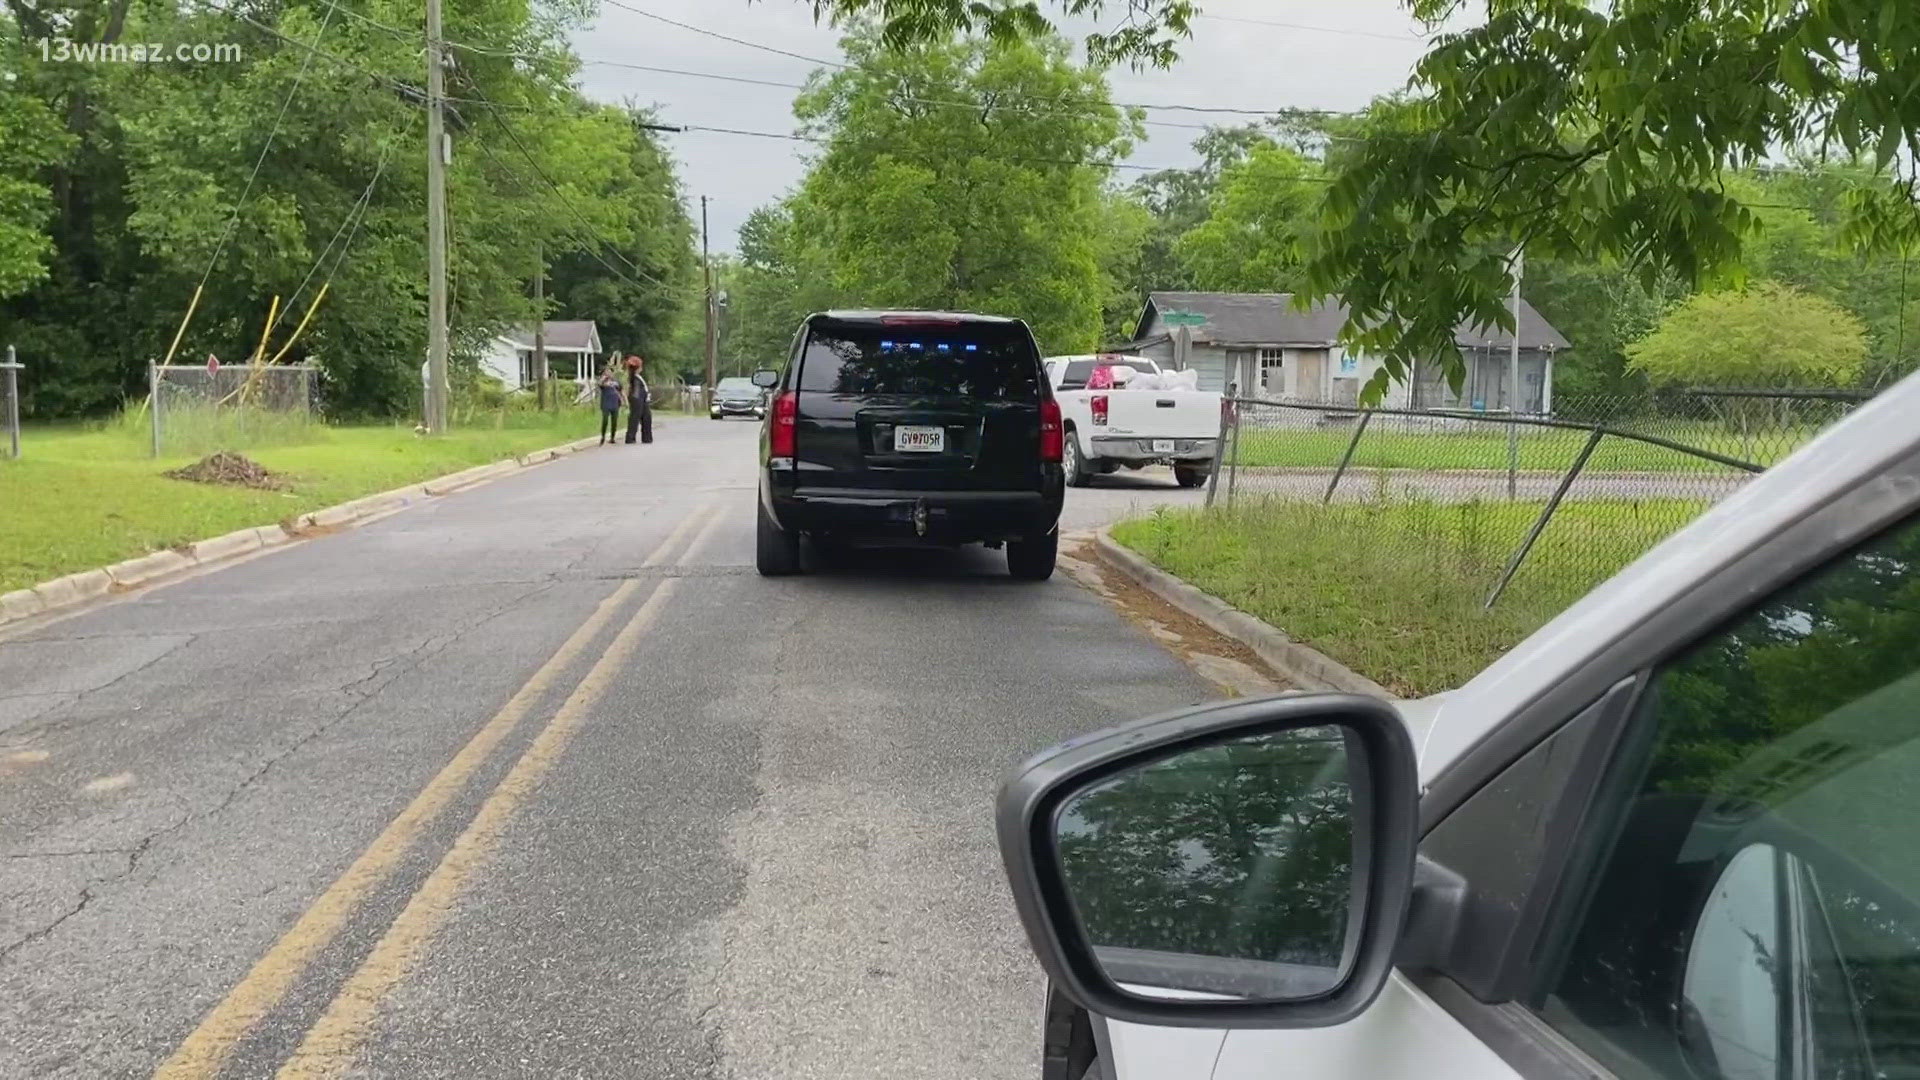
[1706, 869]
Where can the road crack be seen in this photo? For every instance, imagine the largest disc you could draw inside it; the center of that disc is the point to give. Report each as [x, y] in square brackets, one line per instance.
[358, 688]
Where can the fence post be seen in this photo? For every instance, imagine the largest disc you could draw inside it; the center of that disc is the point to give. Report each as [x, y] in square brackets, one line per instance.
[1233, 476]
[13, 401]
[153, 402]
[1219, 450]
[1540, 523]
[1348, 456]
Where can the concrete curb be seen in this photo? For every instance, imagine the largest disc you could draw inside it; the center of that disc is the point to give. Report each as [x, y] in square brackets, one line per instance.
[147, 568]
[158, 566]
[1306, 667]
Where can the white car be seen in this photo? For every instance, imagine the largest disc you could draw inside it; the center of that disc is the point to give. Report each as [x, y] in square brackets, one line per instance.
[1130, 427]
[1673, 834]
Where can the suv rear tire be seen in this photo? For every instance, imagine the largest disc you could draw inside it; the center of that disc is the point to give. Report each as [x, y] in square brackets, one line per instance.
[776, 552]
[1188, 477]
[1032, 559]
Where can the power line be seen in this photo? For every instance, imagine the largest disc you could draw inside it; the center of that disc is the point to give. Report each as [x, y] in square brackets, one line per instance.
[591, 247]
[417, 95]
[542, 173]
[1097, 164]
[1221, 110]
[483, 50]
[587, 245]
[726, 37]
[1314, 29]
[915, 99]
[353, 218]
[285, 103]
[313, 51]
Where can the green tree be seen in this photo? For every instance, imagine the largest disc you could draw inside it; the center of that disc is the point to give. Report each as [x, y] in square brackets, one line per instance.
[1125, 224]
[1601, 307]
[1801, 216]
[1765, 334]
[1250, 241]
[1599, 133]
[1148, 33]
[164, 183]
[942, 184]
[30, 141]
[1179, 201]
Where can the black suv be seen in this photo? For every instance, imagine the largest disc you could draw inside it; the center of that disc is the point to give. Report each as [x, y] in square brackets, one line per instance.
[911, 427]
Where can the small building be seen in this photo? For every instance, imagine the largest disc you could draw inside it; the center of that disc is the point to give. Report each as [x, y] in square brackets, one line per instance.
[573, 353]
[1263, 346]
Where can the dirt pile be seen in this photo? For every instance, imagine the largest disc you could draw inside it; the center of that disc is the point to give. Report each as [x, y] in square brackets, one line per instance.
[232, 469]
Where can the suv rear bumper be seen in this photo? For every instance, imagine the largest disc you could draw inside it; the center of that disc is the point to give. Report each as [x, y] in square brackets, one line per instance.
[933, 517]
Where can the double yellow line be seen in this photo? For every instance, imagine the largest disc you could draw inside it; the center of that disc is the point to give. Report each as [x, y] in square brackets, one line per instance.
[335, 1039]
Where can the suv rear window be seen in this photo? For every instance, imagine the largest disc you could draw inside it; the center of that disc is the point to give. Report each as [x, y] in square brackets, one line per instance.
[981, 360]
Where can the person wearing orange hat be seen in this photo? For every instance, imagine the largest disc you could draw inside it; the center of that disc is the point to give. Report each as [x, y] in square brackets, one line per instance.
[639, 403]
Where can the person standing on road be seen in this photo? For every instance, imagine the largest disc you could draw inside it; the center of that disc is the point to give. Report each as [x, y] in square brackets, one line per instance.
[639, 402]
[610, 397]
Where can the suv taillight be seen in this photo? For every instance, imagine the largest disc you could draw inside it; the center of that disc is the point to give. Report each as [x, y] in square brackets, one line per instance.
[1051, 441]
[786, 409]
[1099, 403]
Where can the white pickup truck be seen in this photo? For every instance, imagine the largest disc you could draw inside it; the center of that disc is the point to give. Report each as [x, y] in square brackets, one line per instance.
[1126, 426]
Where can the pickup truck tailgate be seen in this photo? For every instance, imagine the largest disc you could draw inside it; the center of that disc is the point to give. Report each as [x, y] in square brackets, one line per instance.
[1185, 414]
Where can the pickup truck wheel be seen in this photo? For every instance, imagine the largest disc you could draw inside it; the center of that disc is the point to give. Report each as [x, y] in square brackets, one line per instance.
[1072, 463]
[776, 552]
[1032, 559]
[1188, 476]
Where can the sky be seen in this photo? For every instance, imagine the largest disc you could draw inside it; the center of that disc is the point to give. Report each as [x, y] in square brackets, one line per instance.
[1334, 54]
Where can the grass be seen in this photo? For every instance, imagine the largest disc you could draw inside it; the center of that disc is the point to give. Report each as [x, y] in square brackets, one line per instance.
[200, 428]
[1539, 449]
[81, 498]
[1396, 592]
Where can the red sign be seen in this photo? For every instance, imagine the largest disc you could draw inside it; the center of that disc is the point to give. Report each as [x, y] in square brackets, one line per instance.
[213, 364]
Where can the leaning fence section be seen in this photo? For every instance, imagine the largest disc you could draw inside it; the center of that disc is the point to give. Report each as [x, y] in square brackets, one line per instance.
[1531, 509]
[199, 410]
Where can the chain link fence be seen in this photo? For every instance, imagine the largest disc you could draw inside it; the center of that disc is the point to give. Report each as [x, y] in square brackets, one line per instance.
[197, 410]
[1532, 509]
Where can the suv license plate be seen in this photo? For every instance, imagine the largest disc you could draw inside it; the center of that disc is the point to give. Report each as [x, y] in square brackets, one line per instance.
[919, 440]
[1163, 446]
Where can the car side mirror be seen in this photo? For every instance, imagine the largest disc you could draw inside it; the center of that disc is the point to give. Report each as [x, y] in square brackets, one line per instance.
[1246, 864]
[766, 380]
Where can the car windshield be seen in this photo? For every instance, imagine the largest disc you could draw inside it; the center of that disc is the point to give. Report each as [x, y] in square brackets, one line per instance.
[741, 387]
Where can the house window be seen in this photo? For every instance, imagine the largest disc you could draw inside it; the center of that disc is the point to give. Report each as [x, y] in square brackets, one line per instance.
[1273, 377]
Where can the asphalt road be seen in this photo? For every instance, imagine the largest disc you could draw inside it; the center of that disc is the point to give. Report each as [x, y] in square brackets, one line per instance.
[541, 779]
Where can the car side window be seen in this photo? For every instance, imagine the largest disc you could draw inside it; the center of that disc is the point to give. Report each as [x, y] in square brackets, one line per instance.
[1754, 913]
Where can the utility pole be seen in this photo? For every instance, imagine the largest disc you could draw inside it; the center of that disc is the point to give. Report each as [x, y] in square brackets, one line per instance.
[540, 318]
[1513, 381]
[706, 261]
[436, 228]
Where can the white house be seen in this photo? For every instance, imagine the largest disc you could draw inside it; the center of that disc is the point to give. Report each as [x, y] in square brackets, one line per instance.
[1265, 347]
[573, 352]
